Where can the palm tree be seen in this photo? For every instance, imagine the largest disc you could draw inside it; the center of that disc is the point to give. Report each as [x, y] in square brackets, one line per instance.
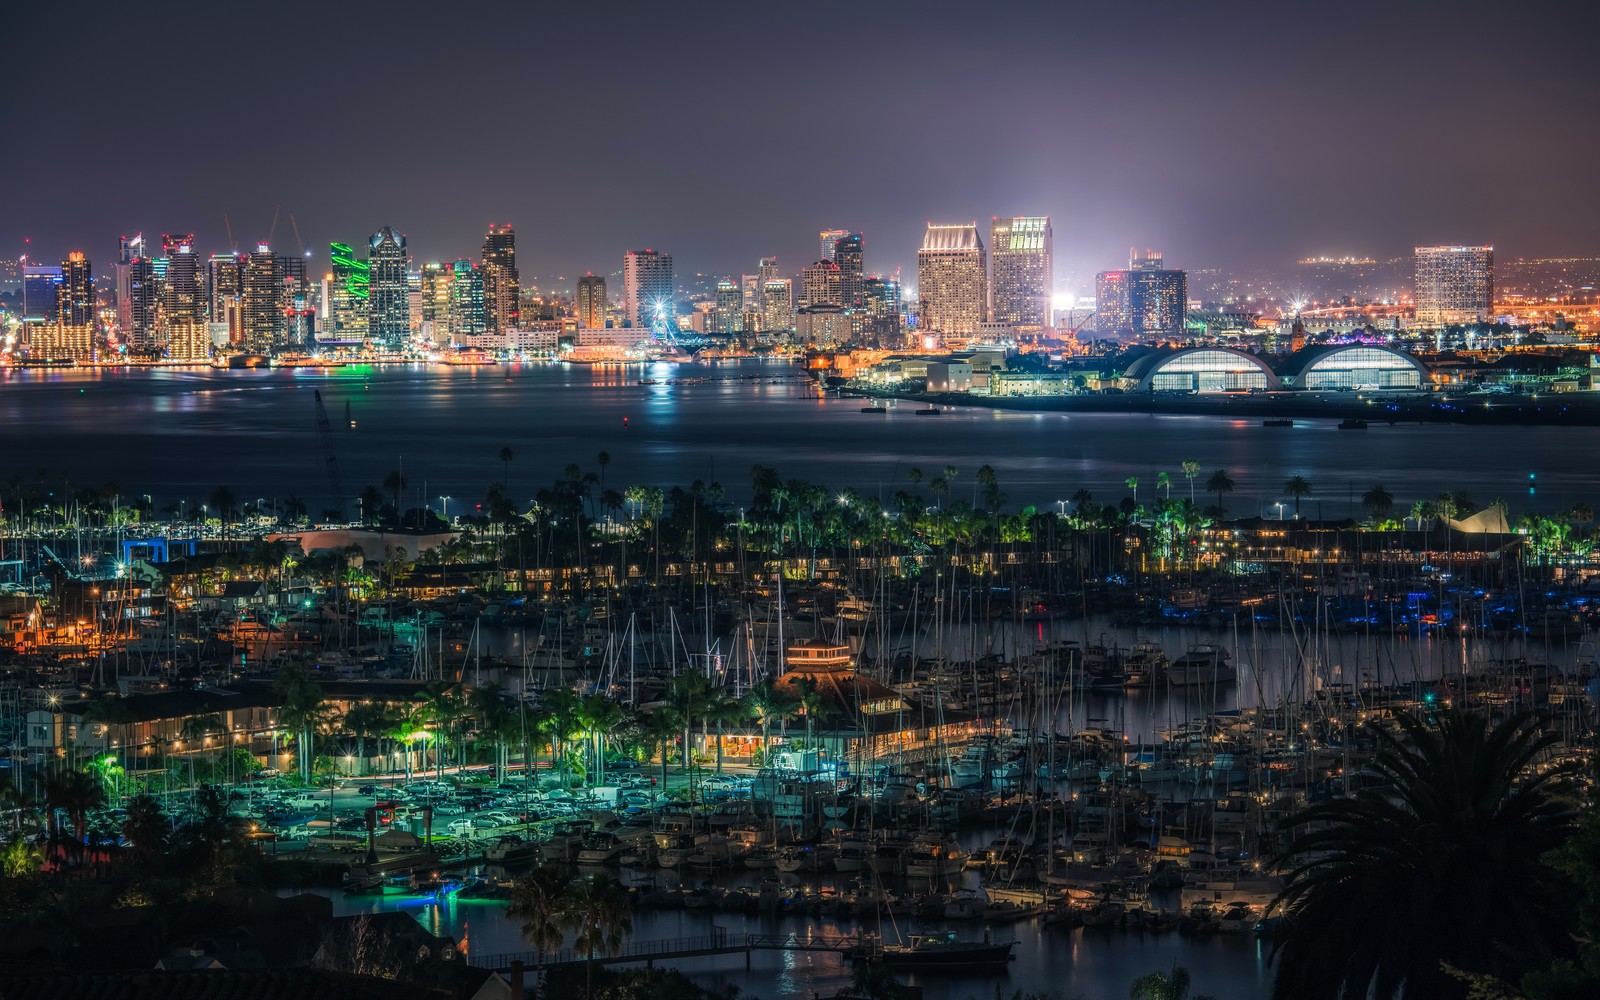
[1172, 985]
[1219, 483]
[394, 484]
[1442, 864]
[1132, 482]
[1378, 501]
[598, 715]
[301, 711]
[1191, 469]
[765, 702]
[506, 455]
[597, 913]
[1297, 487]
[75, 794]
[1164, 484]
[539, 900]
[663, 725]
[367, 719]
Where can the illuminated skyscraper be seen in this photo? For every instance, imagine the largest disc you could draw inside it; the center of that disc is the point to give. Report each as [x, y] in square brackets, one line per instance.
[349, 294]
[777, 305]
[592, 302]
[1148, 301]
[820, 284]
[1455, 285]
[75, 306]
[847, 253]
[388, 313]
[767, 270]
[466, 301]
[501, 287]
[262, 322]
[224, 292]
[728, 315]
[646, 286]
[1020, 278]
[950, 279]
[437, 284]
[138, 297]
[826, 240]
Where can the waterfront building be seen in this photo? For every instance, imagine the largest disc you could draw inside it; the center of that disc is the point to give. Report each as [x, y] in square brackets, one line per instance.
[41, 292]
[646, 286]
[1148, 301]
[1198, 370]
[728, 311]
[848, 255]
[750, 300]
[187, 339]
[466, 312]
[501, 287]
[827, 240]
[139, 304]
[388, 312]
[58, 341]
[951, 279]
[436, 280]
[822, 325]
[349, 289]
[224, 284]
[1354, 366]
[75, 304]
[592, 301]
[777, 305]
[821, 284]
[262, 319]
[1020, 271]
[1454, 285]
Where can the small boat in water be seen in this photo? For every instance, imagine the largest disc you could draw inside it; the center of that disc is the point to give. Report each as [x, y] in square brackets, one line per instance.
[1352, 424]
[931, 952]
[932, 411]
[874, 409]
[1277, 423]
[1205, 663]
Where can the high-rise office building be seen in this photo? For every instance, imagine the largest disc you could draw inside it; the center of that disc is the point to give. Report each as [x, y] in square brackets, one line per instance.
[950, 279]
[41, 292]
[880, 304]
[777, 305]
[826, 241]
[437, 283]
[1111, 302]
[821, 284]
[262, 321]
[767, 270]
[224, 293]
[501, 287]
[183, 293]
[138, 304]
[388, 311]
[76, 303]
[727, 316]
[592, 302]
[647, 286]
[848, 255]
[1020, 276]
[349, 295]
[1148, 301]
[467, 312]
[1454, 285]
[750, 292]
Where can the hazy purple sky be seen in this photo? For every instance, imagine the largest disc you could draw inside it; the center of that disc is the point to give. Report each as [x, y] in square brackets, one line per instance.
[1225, 134]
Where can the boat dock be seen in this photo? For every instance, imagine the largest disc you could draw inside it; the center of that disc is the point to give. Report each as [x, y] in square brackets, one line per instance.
[718, 942]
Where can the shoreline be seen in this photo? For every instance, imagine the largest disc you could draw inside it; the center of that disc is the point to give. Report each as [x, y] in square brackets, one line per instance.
[1576, 409]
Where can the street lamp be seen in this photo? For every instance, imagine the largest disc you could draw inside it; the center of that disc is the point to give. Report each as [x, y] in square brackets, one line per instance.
[444, 503]
[1279, 505]
[1061, 506]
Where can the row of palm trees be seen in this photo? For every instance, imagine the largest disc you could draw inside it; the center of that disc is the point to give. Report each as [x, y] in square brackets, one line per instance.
[594, 909]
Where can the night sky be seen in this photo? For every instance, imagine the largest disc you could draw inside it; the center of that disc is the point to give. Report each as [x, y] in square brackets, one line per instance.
[1227, 135]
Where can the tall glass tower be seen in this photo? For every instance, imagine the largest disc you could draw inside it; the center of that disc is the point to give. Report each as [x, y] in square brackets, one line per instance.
[388, 302]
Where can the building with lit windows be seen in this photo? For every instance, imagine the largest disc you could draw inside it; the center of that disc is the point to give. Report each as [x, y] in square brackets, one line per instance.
[349, 288]
[821, 284]
[646, 286]
[75, 307]
[592, 302]
[1020, 271]
[1198, 369]
[261, 314]
[388, 308]
[467, 317]
[849, 256]
[827, 240]
[951, 279]
[777, 305]
[1148, 301]
[1454, 285]
[437, 283]
[727, 314]
[1354, 366]
[822, 325]
[501, 286]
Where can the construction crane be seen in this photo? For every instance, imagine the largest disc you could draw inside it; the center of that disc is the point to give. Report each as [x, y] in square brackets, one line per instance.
[296, 227]
[325, 432]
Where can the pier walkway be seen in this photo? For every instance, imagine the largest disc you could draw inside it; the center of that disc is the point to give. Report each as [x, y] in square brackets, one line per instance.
[718, 942]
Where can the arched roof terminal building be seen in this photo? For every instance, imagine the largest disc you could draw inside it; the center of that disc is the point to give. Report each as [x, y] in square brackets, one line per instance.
[1198, 369]
[1353, 366]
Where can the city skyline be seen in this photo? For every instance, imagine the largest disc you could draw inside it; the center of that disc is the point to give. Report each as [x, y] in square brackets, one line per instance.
[1225, 161]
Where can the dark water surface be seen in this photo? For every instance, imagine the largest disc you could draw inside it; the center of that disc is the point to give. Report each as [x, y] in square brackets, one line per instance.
[182, 433]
